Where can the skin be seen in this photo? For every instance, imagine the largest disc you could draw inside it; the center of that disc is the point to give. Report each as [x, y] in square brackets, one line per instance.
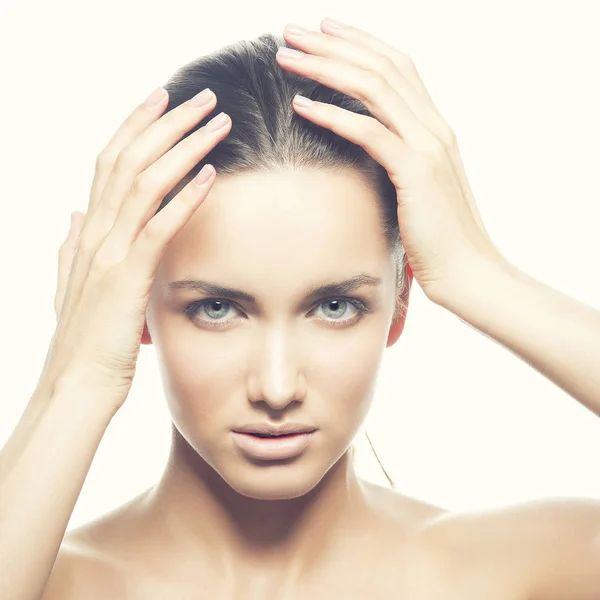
[235, 519]
[216, 524]
[270, 363]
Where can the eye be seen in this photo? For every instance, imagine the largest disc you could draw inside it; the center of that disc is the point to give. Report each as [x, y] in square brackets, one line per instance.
[334, 307]
[214, 307]
[217, 309]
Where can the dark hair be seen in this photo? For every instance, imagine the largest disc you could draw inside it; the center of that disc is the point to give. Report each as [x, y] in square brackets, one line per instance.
[268, 135]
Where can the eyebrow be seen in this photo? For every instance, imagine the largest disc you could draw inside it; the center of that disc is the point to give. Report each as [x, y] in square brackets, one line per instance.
[335, 288]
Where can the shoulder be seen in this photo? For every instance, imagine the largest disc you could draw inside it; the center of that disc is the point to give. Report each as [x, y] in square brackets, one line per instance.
[543, 548]
[94, 561]
[83, 573]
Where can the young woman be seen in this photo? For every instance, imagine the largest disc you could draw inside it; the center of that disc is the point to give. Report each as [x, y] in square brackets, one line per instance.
[270, 304]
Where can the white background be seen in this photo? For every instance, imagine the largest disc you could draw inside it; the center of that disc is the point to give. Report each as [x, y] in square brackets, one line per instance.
[457, 420]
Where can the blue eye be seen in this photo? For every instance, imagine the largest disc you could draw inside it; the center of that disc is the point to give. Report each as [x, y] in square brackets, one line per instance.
[337, 304]
[215, 306]
[216, 309]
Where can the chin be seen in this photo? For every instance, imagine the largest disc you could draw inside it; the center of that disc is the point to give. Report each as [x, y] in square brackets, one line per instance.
[273, 488]
[274, 479]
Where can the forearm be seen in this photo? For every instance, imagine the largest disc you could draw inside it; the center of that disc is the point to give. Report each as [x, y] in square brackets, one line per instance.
[42, 469]
[555, 334]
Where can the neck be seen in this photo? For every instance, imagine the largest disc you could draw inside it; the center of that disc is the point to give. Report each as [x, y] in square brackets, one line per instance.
[202, 515]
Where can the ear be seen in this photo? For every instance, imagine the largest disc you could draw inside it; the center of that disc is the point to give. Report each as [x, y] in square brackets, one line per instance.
[398, 325]
[146, 339]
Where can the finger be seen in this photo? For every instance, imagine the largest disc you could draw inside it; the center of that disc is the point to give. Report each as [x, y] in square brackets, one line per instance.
[380, 143]
[147, 147]
[402, 61]
[154, 184]
[137, 122]
[369, 87]
[389, 150]
[416, 96]
[434, 121]
[147, 250]
[142, 152]
[367, 57]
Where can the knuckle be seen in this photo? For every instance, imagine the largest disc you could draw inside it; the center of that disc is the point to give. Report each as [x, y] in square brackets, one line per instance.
[434, 148]
[423, 168]
[125, 159]
[386, 64]
[404, 61]
[370, 85]
[155, 231]
[144, 184]
[85, 245]
[371, 126]
[65, 256]
[377, 83]
[448, 136]
[96, 270]
[138, 186]
[104, 160]
[365, 131]
[106, 259]
[101, 265]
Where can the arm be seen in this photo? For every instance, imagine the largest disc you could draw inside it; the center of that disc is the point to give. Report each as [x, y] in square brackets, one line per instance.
[555, 334]
[439, 225]
[42, 470]
[558, 540]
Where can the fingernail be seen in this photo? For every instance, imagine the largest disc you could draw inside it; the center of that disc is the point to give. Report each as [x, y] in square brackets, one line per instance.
[201, 98]
[72, 219]
[295, 29]
[204, 175]
[217, 122]
[289, 53]
[303, 101]
[155, 97]
[333, 23]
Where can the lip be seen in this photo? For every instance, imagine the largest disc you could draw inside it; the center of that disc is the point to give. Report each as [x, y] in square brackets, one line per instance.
[273, 448]
[269, 429]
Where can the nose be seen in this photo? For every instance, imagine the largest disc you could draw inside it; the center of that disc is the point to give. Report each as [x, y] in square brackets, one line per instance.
[277, 378]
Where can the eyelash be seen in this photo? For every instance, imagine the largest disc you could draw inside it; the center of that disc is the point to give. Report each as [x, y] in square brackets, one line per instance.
[363, 308]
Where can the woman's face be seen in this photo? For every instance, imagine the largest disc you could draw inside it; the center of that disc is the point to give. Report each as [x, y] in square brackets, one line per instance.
[286, 356]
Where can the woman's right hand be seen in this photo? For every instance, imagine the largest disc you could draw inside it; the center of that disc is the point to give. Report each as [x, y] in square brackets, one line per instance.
[106, 273]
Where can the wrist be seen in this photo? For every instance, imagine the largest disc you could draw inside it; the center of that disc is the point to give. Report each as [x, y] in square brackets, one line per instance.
[469, 278]
[81, 391]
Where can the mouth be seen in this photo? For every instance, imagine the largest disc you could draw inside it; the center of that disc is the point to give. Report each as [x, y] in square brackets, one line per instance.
[272, 447]
[270, 435]
[268, 430]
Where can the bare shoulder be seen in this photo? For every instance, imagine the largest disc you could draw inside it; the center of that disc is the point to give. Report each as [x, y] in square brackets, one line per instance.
[541, 548]
[83, 573]
[93, 561]
[537, 549]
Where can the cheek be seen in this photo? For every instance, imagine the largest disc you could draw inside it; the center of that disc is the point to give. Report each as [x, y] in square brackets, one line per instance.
[347, 375]
[199, 379]
[354, 358]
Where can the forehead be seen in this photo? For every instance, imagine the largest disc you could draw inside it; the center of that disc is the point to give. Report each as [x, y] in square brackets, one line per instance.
[281, 220]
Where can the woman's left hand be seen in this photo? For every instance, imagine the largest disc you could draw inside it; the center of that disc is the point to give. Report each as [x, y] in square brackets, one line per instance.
[440, 227]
